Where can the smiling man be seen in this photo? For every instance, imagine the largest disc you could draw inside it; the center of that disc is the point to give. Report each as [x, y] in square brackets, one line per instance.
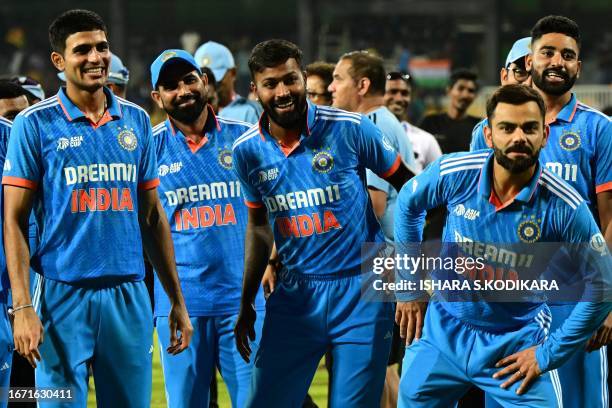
[85, 161]
[303, 169]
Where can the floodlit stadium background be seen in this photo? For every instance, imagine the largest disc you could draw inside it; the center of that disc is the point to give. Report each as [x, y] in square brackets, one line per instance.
[426, 38]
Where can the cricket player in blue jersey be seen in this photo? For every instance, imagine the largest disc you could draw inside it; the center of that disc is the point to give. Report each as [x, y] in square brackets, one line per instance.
[303, 166]
[6, 335]
[579, 151]
[509, 198]
[201, 196]
[84, 160]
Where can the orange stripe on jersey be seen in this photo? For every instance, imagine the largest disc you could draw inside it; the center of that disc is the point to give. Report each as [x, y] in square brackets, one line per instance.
[603, 187]
[393, 169]
[253, 204]
[19, 182]
[148, 185]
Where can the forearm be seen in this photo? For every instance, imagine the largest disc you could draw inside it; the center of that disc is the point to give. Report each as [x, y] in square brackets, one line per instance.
[579, 326]
[157, 243]
[18, 260]
[258, 247]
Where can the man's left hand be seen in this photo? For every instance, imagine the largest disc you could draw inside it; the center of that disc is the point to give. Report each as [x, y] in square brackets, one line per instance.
[522, 365]
[602, 337]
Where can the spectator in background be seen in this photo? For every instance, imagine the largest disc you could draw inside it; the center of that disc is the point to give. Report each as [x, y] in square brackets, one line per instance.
[13, 99]
[398, 97]
[453, 128]
[220, 60]
[118, 77]
[319, 75]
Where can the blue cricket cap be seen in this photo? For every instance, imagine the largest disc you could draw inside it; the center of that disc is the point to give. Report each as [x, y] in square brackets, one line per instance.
[520, 49]
[215, 56]
[168, 57]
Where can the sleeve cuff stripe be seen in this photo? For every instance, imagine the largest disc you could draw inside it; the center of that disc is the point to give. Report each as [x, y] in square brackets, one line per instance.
[253, 204]
[19, 182]
[149, 184]
[393, 168]
[603, 187]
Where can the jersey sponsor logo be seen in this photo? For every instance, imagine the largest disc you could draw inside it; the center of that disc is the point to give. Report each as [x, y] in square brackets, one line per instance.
[295, 200]
[568, 172]
[204, 216]
[529, 230]
[570, 141]
[323, 162]
[203, 192]
[267, 175]
[127, 139]
[7, 165]
[225, 159]
[164, 169]
[467, 213]
[598, 244]
[305, 225]
[100, 172]
[493, 253]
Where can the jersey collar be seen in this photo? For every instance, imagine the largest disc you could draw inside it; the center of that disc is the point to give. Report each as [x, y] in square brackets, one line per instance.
[485, 185]
[569, 110]
[73, 112]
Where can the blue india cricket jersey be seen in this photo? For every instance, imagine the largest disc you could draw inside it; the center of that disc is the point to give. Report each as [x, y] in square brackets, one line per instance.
[395, 133]
[202, 199]
[545, 210]
[86, 178]
[242, 109]
[579, 149]
[316, 193]
[5, 130]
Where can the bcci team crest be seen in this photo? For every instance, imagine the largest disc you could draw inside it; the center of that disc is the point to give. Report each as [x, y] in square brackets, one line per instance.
[168, 55]
[127, 139]
[225, 159]
[323, 162]
[529, 231]
[570, 141]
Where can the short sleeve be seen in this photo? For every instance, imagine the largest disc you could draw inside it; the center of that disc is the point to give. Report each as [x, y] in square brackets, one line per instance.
[252, 197]
[22, 166]
[603, 159]
[147, 174]
[375, 151]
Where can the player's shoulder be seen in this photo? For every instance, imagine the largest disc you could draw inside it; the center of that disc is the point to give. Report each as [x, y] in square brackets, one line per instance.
[247, 139]
[559, 190]
[160, 130]
[5, 123]
[336, 116]
[43, 107]
[234, 124]
[590, 113]
[463, 163]
[131, 107]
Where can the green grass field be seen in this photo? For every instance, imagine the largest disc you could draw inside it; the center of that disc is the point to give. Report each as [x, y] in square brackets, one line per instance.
[318, 389]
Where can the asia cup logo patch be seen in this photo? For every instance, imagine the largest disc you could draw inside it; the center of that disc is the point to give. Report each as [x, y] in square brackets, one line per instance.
[570, 141]
[225, 159]
[529, 230]
[323, 161]
[127, 139]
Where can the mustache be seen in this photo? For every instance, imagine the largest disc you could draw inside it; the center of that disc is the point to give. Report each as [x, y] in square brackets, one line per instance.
[519, 149]
[282, 101]
[186, 98]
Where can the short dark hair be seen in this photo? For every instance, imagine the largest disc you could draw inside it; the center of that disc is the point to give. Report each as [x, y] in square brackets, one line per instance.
[322, 69]
[209, 75]
[10, 90]
[365, 64]
[404, 76]
[556, 24]
[463, 73]
[271, 53]
[70, 22]
[515, 94]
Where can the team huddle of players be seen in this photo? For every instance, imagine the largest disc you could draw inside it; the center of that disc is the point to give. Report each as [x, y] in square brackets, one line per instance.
[231, 203]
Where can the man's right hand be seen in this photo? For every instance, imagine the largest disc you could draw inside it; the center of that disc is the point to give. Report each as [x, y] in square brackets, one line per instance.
[28, 334]
[410, 317]
[245, 330]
